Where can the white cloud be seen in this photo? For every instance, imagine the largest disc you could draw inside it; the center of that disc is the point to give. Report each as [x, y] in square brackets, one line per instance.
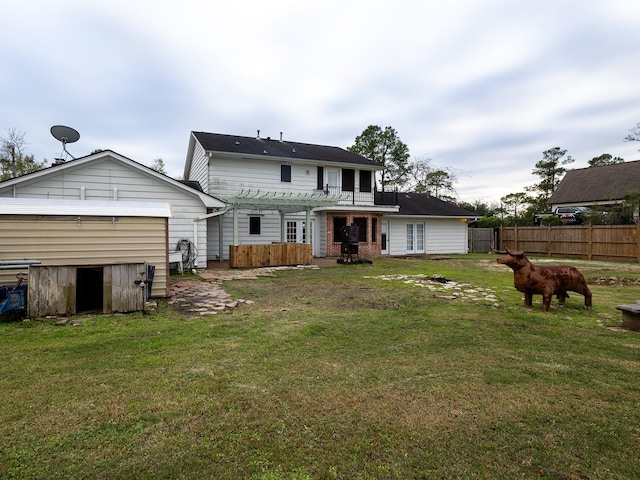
[483, 87]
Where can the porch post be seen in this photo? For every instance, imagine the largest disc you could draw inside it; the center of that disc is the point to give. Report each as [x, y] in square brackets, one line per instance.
[282, 225]
[235, 225]
[220, 239]
[308, 226]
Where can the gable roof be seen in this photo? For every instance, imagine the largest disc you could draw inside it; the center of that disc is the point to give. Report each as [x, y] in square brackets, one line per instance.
[208, 200]
[422, 204]
[216, 142]
[597, 184]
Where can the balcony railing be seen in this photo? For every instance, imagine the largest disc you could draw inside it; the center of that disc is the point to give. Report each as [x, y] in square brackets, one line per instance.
[350, 197]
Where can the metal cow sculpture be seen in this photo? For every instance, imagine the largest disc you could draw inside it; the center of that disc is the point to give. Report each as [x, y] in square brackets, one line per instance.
[546, 281]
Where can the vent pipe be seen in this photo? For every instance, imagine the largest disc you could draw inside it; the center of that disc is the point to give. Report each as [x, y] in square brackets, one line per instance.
[280, 136]
[258, 135]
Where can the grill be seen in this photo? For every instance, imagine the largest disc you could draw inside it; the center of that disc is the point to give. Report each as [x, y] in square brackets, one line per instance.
[349, 236]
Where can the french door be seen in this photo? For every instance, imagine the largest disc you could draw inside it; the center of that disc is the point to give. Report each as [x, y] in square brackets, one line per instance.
[415, 237]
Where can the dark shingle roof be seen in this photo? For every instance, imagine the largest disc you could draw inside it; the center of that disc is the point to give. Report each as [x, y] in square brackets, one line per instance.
[598, 184]
[215, 142]
[422, 204]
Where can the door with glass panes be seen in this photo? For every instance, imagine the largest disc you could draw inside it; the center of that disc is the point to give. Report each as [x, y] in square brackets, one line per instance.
[415, 237]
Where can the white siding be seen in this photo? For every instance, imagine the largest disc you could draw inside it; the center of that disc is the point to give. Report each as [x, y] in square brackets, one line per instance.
[199, 167]
[109, 179]
[397, 237]
[230, 175]
[443, 235]
[269, 233]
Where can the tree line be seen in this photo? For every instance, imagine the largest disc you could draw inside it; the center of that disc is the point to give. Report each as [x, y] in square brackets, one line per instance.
[401, 173]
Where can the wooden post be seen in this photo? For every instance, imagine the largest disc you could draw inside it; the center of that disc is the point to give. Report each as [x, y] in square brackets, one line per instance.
[590, 245]
[638, 243]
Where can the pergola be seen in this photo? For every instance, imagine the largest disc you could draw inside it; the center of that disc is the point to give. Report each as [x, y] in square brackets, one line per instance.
[282, 202]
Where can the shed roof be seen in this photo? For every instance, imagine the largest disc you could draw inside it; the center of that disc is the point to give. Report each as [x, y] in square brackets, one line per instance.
[597, 184]
[64, 207]
[216, 142]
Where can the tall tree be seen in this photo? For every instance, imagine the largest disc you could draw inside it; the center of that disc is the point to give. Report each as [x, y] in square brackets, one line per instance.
[634, 136]
[550, 170]
[604, 159]
[386, 148]
[438, 182]
[514, 204]
[13, 161]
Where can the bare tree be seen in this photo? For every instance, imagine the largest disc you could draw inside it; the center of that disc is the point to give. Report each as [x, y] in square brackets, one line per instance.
[13, 161]
[634, 136]
[438, 182]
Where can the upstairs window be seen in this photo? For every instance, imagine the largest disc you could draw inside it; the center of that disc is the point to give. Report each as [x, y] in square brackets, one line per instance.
[285, 173]
[348, 180]
[320, 182]
[365, 181]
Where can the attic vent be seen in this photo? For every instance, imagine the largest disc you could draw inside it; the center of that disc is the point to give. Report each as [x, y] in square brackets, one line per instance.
[294, 150]
[237, 142]
[264, 151]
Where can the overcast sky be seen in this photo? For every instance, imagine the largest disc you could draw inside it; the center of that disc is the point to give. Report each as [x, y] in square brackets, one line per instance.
[482, 87]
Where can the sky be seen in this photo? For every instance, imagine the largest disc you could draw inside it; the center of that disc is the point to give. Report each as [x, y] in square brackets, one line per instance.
[479, 87]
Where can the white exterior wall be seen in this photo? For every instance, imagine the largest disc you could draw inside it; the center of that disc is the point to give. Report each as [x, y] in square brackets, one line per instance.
[445, 236]
[269, 230]
[110, 179]
[230, 175]
[442, 235]
[199, 167]
[321, 234]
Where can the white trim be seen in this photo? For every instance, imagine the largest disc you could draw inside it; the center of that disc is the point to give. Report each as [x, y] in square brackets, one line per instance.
[61, 207]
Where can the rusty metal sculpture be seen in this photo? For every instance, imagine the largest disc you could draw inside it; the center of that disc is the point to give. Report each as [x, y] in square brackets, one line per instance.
[546, 281]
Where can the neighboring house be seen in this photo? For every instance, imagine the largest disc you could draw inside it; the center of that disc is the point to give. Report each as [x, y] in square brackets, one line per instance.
[281, 191]
[603, 186]
[108, 176]
[424, 224]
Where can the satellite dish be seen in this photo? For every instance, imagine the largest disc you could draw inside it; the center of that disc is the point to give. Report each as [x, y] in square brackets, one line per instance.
[65, 135]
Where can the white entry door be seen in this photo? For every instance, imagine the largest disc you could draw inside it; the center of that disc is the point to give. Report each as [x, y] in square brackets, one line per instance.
[384, 228]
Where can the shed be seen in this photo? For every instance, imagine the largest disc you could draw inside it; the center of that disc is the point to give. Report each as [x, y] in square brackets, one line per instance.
[85, 242]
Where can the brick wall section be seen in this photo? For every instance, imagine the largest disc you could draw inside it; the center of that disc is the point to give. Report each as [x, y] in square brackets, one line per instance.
[366, 249]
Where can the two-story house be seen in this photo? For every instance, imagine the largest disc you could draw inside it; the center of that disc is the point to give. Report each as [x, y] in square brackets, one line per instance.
[281, 191]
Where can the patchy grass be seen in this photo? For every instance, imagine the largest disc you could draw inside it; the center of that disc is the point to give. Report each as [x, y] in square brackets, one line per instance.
[333, 373]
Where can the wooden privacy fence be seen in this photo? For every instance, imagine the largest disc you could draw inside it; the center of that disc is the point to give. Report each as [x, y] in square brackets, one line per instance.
[270, 255]
[605, 242]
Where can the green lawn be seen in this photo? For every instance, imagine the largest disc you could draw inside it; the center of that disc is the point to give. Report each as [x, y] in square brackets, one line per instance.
[334, 373]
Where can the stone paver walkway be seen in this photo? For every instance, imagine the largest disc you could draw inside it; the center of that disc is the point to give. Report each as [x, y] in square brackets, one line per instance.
[207, 297]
